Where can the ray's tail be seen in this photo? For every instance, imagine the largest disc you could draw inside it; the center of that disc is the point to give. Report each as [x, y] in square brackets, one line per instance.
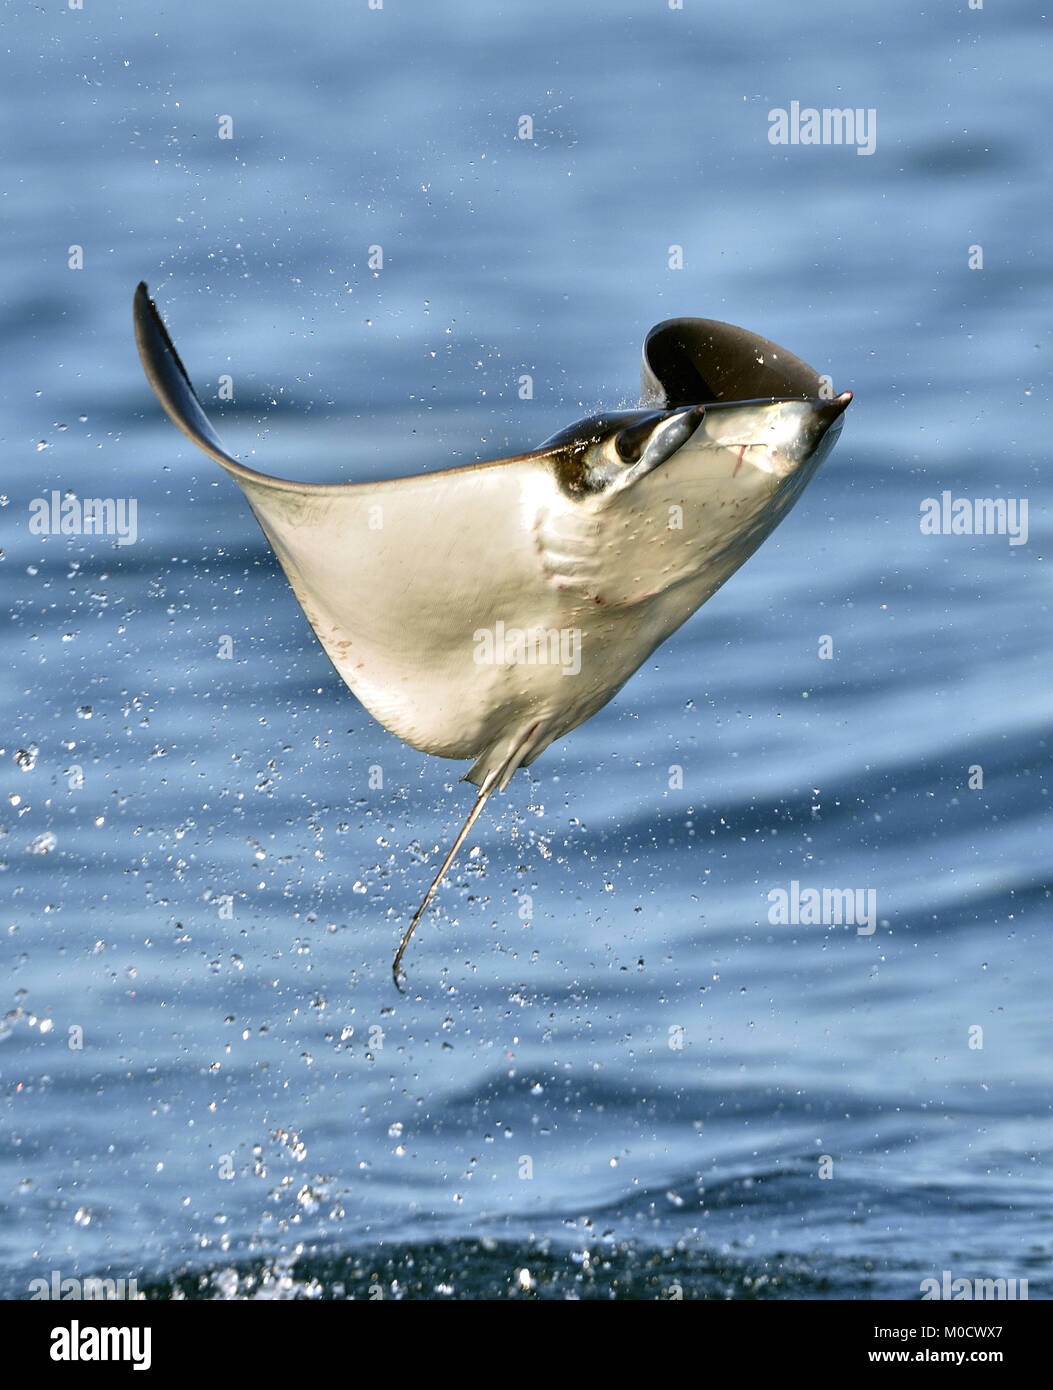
[473, 816]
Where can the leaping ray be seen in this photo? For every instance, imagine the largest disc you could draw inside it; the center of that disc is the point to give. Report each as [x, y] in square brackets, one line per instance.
[483, 611]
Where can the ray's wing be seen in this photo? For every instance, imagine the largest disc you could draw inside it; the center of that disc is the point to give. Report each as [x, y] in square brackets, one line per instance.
[690, 361]
[395, 577]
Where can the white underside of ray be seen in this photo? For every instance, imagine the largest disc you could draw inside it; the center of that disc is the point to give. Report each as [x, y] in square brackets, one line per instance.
[398, 579]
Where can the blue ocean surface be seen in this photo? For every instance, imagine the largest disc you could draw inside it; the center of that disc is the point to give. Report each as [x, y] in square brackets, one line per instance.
[615, 1072]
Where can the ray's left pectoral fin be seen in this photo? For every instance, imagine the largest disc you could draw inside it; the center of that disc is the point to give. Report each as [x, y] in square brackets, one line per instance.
[167, 375]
